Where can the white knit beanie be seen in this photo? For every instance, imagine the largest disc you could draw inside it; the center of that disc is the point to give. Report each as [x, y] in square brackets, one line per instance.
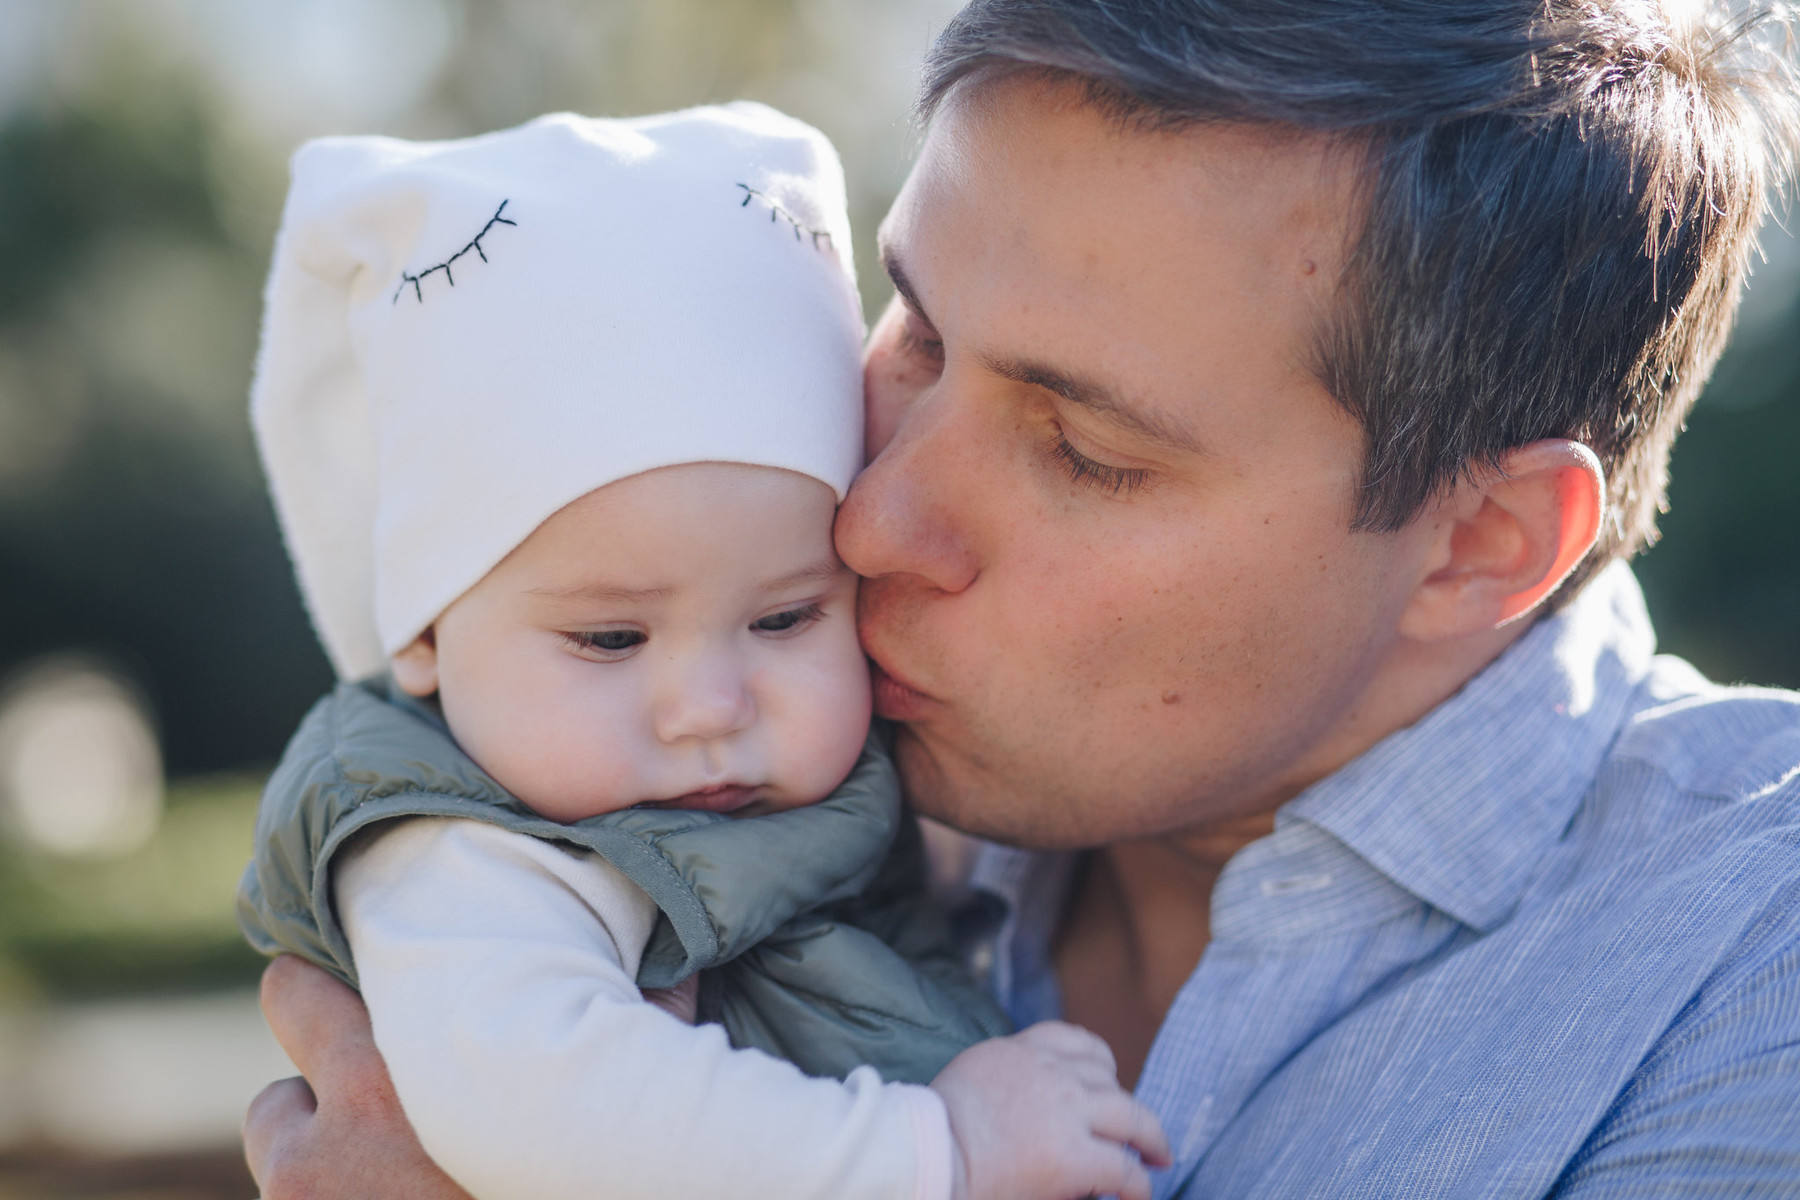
[462, 337]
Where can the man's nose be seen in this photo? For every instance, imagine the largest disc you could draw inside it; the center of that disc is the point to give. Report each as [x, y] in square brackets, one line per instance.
[911, 510]
[707, 697]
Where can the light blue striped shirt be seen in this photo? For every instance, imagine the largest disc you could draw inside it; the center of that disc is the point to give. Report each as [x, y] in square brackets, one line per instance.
[1544, 942]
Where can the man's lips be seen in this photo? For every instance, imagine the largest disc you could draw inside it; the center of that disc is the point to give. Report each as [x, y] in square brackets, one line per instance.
[896, 697]
[720, 798]
[896, 700]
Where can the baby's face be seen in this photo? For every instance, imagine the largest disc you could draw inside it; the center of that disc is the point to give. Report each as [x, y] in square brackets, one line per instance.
[683, 638]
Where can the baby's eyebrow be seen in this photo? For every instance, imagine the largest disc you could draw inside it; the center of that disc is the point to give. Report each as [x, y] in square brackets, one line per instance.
[826, 567]
[602, 592]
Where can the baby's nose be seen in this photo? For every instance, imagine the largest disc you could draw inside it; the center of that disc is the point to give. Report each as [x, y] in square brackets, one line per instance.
[709, 700]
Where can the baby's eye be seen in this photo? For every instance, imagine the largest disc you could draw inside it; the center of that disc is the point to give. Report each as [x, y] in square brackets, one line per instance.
[789, 620]
[608, 641]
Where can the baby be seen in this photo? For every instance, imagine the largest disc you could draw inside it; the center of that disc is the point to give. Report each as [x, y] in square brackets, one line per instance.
[556, 422]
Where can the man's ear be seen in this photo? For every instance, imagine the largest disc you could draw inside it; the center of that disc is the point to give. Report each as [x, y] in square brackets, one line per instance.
[416, 666]
[1503, 541]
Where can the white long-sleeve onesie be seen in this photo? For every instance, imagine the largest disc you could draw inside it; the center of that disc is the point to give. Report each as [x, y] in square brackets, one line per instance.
[499, 971]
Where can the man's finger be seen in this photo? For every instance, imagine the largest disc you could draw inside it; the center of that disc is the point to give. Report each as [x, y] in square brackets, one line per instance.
[321, 1023]
[681, 1001]
[279, 1114]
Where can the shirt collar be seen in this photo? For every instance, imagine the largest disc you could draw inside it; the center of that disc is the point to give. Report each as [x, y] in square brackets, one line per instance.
[1460, 808]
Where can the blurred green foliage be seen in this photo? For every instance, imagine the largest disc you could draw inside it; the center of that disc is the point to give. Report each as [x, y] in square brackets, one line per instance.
[159, 919]
[1724, 584]
[133, 520]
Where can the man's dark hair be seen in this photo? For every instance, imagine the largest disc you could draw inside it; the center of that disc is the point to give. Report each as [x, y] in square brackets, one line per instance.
[1560, 201]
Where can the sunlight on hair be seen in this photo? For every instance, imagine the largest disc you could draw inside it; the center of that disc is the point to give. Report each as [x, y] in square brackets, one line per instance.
[1685, 14]
[80, 769]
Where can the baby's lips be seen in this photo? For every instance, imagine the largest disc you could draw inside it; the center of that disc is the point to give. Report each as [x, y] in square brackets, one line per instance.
[721, 798]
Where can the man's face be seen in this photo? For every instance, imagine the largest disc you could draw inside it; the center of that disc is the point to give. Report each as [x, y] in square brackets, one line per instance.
[1112, 587]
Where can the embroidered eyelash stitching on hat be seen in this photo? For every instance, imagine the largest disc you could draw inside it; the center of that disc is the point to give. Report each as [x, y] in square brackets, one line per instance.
[778, 213]
[474, 244]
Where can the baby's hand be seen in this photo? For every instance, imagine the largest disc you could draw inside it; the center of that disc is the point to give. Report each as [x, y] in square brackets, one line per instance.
[1040, 1116]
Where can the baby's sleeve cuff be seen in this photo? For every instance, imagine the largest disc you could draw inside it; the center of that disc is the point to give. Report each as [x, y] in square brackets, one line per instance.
[933, 1151]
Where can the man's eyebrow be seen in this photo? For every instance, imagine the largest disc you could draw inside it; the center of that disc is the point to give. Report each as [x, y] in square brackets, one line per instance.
[1096, 398]
[890, 262]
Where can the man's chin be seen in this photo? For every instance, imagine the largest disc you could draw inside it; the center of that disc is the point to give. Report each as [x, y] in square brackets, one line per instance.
[950, 791]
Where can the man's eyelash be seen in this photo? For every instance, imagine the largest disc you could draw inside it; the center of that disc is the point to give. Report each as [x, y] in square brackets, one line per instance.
[1085, 472]
[921, 347]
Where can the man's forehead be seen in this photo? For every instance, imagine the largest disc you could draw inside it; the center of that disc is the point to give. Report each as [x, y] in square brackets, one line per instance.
[1309, 181]
[1097, 394]
[1092, 257]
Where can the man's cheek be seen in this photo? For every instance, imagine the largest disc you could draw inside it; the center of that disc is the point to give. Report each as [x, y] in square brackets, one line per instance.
[887, 615]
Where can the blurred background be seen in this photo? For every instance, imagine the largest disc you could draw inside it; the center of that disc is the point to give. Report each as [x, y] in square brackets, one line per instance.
[153, 653]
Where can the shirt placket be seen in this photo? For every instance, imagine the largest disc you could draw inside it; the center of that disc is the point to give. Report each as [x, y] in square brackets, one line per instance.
[1293, 948]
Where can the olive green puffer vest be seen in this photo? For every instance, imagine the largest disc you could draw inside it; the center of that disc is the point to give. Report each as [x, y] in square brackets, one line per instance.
[810, 927]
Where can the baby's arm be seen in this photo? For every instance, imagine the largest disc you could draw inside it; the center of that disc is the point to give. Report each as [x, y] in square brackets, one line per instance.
[498, 972]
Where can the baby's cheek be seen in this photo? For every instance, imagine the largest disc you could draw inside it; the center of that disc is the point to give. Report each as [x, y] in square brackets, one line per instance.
[829, 725]
[570, 782]
[570, 760]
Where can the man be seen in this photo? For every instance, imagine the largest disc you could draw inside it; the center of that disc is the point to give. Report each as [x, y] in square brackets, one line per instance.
[1271, 384]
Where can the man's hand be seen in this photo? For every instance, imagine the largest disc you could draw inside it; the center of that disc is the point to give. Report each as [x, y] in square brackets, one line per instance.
[1040, 1116]
[345, 1135]
[681, 1001]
